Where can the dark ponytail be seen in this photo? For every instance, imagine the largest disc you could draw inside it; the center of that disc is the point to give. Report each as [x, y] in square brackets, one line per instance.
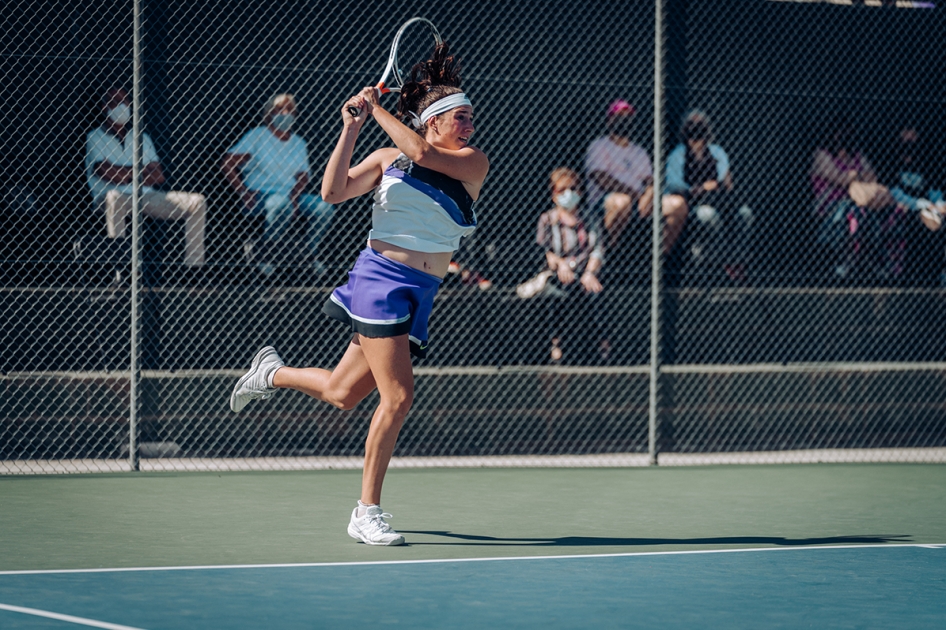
[430, 81]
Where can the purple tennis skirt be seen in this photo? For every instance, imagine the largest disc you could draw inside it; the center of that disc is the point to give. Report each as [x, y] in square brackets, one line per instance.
[384, 298]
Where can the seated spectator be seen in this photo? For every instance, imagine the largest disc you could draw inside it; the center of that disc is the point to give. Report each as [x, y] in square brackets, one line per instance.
[859, 220]
[910, 184]
[572, 260]
[108, 166]
[618, 172]
[699, 179]
[269, 170]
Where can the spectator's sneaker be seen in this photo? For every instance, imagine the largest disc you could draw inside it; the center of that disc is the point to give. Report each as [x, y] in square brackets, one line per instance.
[534, 286]
[372, 529]
[255, 383]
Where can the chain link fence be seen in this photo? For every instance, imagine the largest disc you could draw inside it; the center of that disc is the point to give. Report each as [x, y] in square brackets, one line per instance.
[799, 276]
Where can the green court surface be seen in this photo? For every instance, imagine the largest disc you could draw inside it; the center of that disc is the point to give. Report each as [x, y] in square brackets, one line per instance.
[740, 546]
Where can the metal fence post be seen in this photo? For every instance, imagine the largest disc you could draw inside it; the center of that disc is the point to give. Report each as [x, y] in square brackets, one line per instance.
[135, 371]
[656, 240]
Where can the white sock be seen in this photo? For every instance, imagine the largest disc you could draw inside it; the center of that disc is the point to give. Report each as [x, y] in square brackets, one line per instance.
[362, 508]
[269, 377]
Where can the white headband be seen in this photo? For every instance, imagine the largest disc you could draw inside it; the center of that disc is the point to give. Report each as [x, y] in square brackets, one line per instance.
[444, 105]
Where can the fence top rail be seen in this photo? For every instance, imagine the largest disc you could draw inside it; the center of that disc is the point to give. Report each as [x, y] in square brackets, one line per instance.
[749, 368]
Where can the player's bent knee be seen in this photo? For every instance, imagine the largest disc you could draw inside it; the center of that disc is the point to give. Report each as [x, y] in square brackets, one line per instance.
[345, 404]
[344, 400]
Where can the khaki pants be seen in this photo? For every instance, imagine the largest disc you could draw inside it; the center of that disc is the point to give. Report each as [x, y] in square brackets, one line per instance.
[174, 205]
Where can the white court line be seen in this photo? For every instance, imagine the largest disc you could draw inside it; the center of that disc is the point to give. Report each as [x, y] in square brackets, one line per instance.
[82, 621]
[448, 560]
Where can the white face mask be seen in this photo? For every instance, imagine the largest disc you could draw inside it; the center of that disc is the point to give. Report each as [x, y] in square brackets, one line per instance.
[120, 114]
[283, 122]
[568, 199]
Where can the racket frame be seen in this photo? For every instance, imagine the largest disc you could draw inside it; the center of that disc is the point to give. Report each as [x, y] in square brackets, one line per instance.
[381, 86]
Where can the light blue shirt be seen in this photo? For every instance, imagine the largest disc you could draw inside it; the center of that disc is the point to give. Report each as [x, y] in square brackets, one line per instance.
[675, 167]
[913, 181]
[274, 164]
[102, 146]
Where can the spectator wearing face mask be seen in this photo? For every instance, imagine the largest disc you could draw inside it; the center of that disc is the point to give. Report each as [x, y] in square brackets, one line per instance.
[108, 165]
[699, 179]
[269, 169]
[618, 172]
[572, 260]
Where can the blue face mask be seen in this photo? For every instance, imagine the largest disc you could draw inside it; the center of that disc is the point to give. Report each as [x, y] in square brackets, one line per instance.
[282, 122]
[568, 199]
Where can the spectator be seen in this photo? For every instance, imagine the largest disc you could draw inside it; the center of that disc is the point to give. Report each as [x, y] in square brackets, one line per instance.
[911, 187]
[618, 172]
[911, 178]
[269, 169]
[699, 179]
[108, 167]
[572, 260]
[859, 221]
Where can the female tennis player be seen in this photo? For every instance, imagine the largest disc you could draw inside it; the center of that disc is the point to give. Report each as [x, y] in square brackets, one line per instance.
[424, 189]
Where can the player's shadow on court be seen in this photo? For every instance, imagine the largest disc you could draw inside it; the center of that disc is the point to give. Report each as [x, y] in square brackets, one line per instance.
[596, 541]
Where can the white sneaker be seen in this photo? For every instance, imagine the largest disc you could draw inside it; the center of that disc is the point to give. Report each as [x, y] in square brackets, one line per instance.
[371, 528]
[533, 286]
[255, 383]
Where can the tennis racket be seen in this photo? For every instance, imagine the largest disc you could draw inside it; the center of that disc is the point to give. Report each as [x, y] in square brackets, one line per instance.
[414, 42]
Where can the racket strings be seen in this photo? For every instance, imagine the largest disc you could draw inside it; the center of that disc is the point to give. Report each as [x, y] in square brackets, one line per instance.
[414, 49]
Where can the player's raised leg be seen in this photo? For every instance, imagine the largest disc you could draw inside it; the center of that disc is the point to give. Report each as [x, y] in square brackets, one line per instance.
[344, 387]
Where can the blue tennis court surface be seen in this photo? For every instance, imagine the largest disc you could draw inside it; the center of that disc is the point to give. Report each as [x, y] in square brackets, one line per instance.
[840, 587]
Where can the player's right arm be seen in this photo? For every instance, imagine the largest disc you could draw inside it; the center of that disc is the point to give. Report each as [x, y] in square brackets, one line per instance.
[343, 181]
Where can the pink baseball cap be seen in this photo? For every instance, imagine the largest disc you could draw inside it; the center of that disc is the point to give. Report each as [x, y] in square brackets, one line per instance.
[620, 106]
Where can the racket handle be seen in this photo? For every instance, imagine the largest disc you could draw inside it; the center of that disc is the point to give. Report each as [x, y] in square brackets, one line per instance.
[354, 111]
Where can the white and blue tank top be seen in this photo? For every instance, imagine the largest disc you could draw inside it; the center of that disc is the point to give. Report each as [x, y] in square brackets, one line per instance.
[420, 209]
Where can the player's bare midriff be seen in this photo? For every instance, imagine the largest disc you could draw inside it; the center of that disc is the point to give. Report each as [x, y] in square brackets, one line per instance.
[434, 263]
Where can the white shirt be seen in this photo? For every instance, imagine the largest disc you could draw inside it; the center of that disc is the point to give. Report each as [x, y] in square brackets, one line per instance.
[412, 213]
[102, 146]
[629, 165]
[273, 163]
